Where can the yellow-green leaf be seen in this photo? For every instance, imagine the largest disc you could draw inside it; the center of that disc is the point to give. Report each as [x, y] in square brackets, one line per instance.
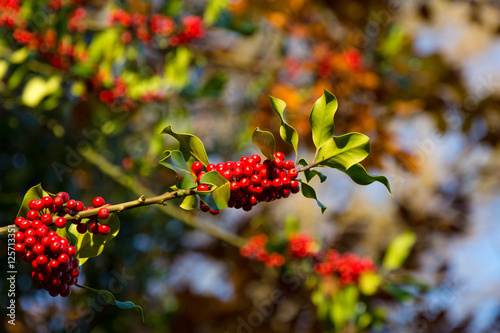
[398, 250]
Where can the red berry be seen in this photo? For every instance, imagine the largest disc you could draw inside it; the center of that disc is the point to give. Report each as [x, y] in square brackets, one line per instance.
[244, 159]
[255, 179]
[244, 182]
[279, 155]
[235, 186]
[229, 165]
[39, 249]
[288, 165]
[71, 204]
[48, 201]
[213, 212]
[247, 207]
[293, 173]
[204, 207]
[258, 190]
[98, 202]
[238, 172]
[32, 215]
[197, 167]
[71, 251]
[36, 224]
[94, 228]
[19, 248]
[65, 292]
[277, 183]
[103, 213]
[210, 167]
[228, 174]
[266, 184]
[55, 246]
[256, 158]
[104, 229]
[247, 171]
[60, 222]
[278, 163]
[18, 221]
[30, 241]
[42, 260]
[46, 219]
[203, 188]
[79, 206]
[39, 205]
[19, 236]
[54, 264]
[46, 241]
[239, 164]
[201, 175]
[30, 232]
[63, 258]
[286, 181]
[42, 231]
[81, 228]
[63, 195]
[58, 202]
[253, 200]
[31, 204]
[285, 192]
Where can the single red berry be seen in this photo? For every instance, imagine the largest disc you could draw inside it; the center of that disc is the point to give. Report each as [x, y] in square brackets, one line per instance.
[293, 173]
[30, 241]
[42, 260]
[279, 155]
[30, 256]
[64, 241]
[71, 204]
[36, 224]
[210, 167]
[255, 179]
[30, 232]
[71, 251]
[286, 181]
[244, 159]
[19, 248]
[79, 206]
[278, 163]
[48, 201]
[247, 171]
[201, 175]
[42, 231]
[213, 212]
[258, 190]
[54, 264]
[247, 207]
[229, 165]
[244, 182]
[285, 192]
[239, 164]
[58, 202]
[104, 229]
[94, 228]
[39, 205]
[277, 183]
[204, 207]
[197, 167]
[39, 249]
[203, 188]
[81, 228]
[55, 246]
[256, 158]
[238, 172]
[98, 202]
[228, 174]
[19, 236]
[18, 221]
[253, 200]
[24, 225]
[46, 241]
[220, 168]
[63, 258]
[235, 186]
[32, 215]
[46, 219]
[31, 204]
[288, 165]
[266, 184]
[60, 222]
[251, 162]
[103, 213]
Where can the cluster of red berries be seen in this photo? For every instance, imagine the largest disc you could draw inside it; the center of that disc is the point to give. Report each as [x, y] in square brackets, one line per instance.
[252, 182]
[347, 266]
[301, 245]
[145, 28]
[255, 248]
[9, 13]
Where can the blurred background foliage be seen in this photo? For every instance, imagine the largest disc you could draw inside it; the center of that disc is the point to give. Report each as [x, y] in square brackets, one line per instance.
[83, 84]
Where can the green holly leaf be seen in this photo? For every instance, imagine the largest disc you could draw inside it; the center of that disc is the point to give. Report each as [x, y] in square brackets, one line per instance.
[287, 132]
[321, 118]
[175, 161]
[219, 194]
[110, 299]
[310, 173]
[265, 141]
[191, 147]
[344, 151]
[309, 192]
[34, 193]
[398, 250]
[359, 175]
[190, 202]
[89, 245]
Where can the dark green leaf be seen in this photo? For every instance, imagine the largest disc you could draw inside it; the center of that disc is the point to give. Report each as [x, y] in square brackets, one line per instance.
[190, 202]
[34, 193]
[265, 141]
[191, 147]
[219, 194]
[175, 161]
[309, 192]
[89, 245]
[344, 151]
[110, 299]
[310, 173]
[359, 175]
[287, 132]
[321, 118]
